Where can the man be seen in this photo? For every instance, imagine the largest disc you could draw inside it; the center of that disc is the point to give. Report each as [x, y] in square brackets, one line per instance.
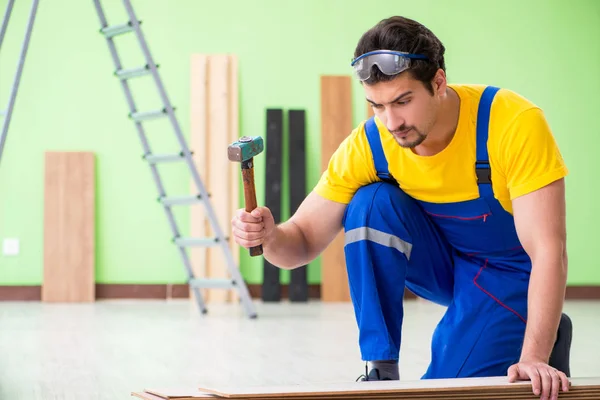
[457, 193]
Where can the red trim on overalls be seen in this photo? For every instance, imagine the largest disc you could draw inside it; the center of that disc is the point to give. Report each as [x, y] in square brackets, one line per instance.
[483, 216]
[492, 296]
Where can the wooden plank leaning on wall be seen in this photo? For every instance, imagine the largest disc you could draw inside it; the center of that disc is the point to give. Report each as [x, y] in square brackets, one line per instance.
[214, 125]
[336, 125]
[69, 225]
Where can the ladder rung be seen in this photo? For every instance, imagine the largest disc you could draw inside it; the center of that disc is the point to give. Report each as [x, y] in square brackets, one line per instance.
[180, 201]
[115, 30]
[133, 72]
[212, 283]
[197, 242]
[164, 158]
[148, 115]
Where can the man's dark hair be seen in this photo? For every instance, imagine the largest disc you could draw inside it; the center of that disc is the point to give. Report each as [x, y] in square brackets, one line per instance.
[409, 36]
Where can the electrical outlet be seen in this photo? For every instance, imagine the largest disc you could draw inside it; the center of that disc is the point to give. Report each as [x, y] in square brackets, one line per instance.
[10, 247]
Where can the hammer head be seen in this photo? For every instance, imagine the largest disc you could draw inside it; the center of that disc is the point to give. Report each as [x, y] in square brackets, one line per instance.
[245, 148]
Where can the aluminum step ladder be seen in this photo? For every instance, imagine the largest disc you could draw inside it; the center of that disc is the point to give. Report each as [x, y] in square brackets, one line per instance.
[167, 111]
[6, 113]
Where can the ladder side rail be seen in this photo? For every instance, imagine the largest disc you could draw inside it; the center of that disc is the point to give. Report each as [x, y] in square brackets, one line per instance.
[17, 79]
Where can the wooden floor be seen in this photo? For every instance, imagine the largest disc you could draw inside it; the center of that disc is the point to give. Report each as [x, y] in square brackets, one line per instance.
[108, 349]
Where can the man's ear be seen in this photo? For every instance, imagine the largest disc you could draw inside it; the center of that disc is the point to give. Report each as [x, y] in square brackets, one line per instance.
[439, 82]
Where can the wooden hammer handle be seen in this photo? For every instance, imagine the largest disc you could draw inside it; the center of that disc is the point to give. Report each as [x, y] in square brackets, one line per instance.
[250, 197]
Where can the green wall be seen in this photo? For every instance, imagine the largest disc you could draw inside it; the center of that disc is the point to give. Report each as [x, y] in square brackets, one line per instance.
[547, 50]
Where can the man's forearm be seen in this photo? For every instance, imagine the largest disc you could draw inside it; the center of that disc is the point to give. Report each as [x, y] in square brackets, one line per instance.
[287, 247]
[545, 302]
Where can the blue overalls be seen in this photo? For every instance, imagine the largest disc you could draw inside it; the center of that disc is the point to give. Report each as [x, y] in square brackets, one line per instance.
[464, 255]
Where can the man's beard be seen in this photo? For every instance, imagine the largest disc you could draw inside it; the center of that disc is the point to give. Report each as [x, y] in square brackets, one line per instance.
[405, 142]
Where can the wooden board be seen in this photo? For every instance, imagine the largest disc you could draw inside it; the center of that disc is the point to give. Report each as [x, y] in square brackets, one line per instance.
[458, 388]
[234, 168]
[150, 396]
[353, 388]
[69, 205]
[175, 394]
[470, 394]
[198, 141]
[298, 289]
[214, 125]
[336, 125]
[271, 286]
[147, 396]
[218, 140]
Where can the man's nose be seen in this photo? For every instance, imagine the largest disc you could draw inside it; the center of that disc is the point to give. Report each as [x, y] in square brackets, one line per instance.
[394, 120]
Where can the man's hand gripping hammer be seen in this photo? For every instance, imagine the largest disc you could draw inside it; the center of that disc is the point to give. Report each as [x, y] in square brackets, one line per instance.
[244, 150]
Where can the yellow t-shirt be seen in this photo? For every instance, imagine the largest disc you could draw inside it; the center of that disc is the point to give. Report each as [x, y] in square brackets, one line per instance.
[522, 152]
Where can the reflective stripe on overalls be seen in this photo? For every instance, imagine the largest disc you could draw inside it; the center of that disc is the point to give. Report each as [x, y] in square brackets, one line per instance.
[463, 255]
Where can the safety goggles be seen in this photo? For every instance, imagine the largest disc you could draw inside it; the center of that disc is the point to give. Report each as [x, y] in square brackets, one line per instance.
[389, 62]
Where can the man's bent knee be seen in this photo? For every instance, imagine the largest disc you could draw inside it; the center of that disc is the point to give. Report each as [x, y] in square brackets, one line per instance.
[379, 197]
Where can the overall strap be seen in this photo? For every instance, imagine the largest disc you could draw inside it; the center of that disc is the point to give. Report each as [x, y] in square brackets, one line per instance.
[482, 165]
[381, 165]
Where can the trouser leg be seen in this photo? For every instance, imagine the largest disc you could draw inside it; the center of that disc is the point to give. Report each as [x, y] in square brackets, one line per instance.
[390, 244]
[482, 332]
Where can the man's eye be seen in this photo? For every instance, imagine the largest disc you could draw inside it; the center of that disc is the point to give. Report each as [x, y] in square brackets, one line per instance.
[404, 102]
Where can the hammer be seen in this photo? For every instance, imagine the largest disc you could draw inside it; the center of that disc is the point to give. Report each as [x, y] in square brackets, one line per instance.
[244, 150]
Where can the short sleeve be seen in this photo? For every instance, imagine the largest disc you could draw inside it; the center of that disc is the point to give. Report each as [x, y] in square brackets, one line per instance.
[349, 168]
[530, 157]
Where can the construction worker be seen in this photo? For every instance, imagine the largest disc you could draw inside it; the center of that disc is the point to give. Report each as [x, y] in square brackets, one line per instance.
[453, 191]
